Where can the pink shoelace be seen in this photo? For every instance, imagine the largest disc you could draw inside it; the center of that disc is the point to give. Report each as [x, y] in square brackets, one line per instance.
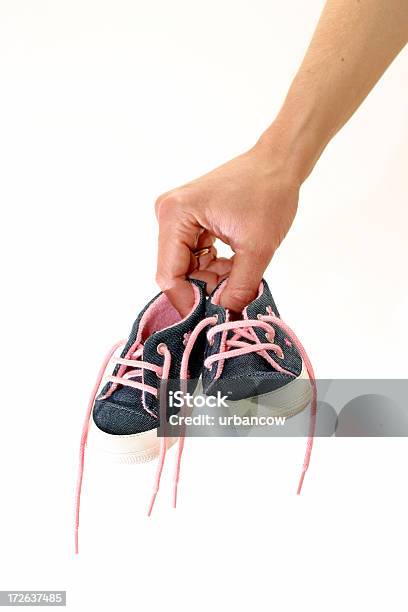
[132, 360]
[239, 344]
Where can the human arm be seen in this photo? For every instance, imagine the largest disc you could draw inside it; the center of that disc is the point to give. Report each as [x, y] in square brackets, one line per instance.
[251, 201]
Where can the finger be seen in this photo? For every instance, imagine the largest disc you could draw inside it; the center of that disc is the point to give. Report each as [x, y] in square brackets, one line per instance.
[243, 283]
[222, 266]
[205, 260]
[201, 262]
[178, 235]
[205, 239]
[210, 278]
[217, 271]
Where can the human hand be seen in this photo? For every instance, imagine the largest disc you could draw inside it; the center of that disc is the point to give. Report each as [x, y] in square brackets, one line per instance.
[249, 203]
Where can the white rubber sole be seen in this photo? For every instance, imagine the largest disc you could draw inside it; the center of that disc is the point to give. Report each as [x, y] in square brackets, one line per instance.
[132, 448]
[284, 402]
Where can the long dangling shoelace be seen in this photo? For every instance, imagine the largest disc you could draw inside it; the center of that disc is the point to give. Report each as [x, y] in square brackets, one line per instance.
[131, 360]
[243, 329]
[239, 344]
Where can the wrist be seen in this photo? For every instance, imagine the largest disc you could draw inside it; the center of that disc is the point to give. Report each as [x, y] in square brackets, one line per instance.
[293, 137]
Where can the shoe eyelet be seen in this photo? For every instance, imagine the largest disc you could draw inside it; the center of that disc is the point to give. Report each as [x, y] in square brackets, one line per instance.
[259, 316]
[210, 341]
[216, 319]
[161, 348]
[281, 356]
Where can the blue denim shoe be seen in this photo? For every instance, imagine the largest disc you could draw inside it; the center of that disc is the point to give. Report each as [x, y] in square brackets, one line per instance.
[122, 419]
[255, 356]
[259, 357]
[125, 414]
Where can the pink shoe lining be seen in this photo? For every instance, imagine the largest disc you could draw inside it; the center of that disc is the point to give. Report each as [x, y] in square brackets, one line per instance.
[162, 314]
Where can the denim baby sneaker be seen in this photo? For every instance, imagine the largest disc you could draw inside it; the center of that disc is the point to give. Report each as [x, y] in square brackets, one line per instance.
[125, 414]
[123, 417]
[256, 357]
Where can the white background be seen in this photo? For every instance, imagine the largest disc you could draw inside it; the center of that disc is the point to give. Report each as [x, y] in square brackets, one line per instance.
[103, 106]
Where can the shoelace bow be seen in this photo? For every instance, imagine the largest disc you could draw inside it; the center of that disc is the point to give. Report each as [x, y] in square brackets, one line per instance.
[239, 344]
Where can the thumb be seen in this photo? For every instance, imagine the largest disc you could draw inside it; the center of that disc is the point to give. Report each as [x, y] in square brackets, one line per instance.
[244, 280]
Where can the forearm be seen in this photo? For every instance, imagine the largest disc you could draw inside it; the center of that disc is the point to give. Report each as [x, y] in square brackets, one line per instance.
[353, 44]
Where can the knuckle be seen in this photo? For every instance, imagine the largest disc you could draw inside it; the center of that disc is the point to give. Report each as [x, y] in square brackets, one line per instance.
[167, 204]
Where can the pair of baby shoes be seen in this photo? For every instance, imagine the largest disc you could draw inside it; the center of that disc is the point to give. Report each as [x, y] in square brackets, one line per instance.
[256, 355]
